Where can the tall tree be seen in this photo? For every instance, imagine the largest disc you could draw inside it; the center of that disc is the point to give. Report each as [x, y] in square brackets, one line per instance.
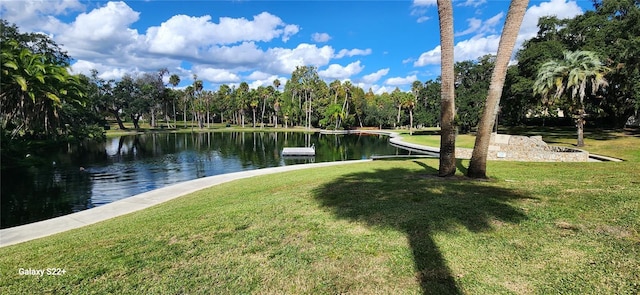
[33, 91]
[224, 100]
[276, 100]
[416, 88]
[478, 164]
[254, 101]
[174, 80]
[199, 101]
[447, 166]
[265, 93]
[36, 84]
[305, 85]
[571, 78]
[242, 96]
[348, 93]
[187, 96]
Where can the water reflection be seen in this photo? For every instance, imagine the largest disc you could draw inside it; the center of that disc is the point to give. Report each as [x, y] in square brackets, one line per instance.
[79, 178]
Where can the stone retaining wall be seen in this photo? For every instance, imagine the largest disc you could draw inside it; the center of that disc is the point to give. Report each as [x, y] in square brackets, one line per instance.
[523, 148]
[503, 147]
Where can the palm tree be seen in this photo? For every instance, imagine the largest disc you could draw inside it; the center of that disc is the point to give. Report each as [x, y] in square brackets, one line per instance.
[335, 87]
[34, 90]
[265, 93]
[416, 87]
[174, 80]
[478, 164]
[577, 72]
[447, 166]
[344, 112]
[198, 104]
[188, 94]
[276, 100]
[242, 93]
[254, 95]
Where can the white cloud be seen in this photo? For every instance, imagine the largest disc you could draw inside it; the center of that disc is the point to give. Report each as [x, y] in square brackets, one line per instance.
[352, 52]
[377, 89]
[336, 71]
[115, 68]
[397, 81]
[181, 34]
[474, 25]
[34, 14]
[490, 24]
[104, 29]
[289, 31]
[419, 9]
[559, 8]
[105, 72]
[185, 35]
[320, 37]
[473, 3]
[285, 60]
[476, 47]
[215, 75]
[241, 55]
[264, 80]
[479, 45]
[374, 77]
[264, 27]
[259, 75]
[428, 58]
[423, 19]
[465, 50]
[477, 26]
[425, 2]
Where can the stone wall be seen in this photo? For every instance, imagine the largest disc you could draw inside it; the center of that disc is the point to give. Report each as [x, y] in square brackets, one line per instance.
[523, 148]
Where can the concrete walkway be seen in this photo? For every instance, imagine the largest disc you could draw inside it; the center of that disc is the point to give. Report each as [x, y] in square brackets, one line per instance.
[31, 231]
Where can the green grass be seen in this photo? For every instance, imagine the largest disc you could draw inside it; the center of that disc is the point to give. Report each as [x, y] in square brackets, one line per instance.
[384, 227]
[433, 140]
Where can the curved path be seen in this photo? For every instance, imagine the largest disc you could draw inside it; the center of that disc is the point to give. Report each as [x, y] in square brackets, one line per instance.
[31, 231]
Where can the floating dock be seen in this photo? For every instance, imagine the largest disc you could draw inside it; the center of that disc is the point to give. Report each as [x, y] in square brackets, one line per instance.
[299, 151]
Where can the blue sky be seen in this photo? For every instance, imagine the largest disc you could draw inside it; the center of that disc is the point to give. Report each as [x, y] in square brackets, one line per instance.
[378, 45]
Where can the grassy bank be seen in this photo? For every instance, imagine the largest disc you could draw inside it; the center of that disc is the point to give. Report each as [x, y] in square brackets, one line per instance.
[383, 227]
[114, 130]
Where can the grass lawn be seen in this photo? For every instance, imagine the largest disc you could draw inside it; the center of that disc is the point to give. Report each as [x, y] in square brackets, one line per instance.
[382, 227]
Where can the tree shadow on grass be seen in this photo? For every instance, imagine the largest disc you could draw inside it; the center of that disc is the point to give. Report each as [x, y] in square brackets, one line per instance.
[420, 204]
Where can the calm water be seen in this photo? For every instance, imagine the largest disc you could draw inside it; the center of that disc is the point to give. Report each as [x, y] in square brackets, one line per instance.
[68, 181]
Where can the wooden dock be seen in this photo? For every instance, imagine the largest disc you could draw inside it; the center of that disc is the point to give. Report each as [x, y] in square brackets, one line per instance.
[299, 151]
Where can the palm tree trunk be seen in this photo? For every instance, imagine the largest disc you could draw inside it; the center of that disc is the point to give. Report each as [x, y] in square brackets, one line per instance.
[254, 117]
[478, 163]
[411, 121]
[264, 105]
[184, 115]
[580, 124]
[447, 166]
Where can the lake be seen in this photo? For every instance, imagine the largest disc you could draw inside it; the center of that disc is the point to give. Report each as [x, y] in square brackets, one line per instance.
[74, 179]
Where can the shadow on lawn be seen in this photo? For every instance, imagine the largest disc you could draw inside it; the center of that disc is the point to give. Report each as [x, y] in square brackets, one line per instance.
[421, 204]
